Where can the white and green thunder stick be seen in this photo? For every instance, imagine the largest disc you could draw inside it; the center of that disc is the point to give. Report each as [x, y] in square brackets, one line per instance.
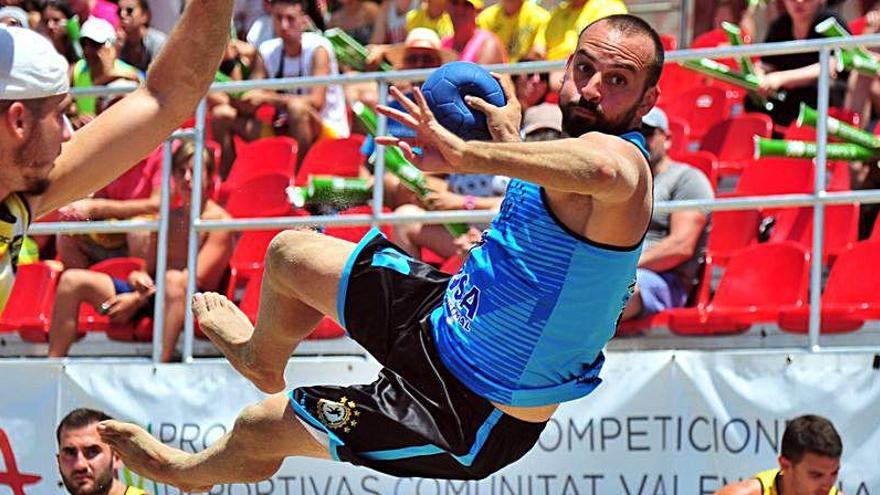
[722, 72]
[830, 28]
[734, 35]
[854, 60]
[802, 149]
[808, 116]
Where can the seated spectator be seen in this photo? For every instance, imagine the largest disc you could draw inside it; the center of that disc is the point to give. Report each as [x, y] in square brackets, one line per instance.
[519, 24]
[421, 50]
[675, 242]
[140, 42]
[532, 88]
[102, 9]
[391, 22]
[126, 300]
[53, 25]
[261, 30]
[474, 44]
[306, 114]
[431, 14]
[14, 17]
[357, 18]
[99, 66]
[796, 73]
[542, 122]
[569, 18]
[864, 90]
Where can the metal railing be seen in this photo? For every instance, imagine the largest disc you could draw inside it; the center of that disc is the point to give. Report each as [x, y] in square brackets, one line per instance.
[818, 200]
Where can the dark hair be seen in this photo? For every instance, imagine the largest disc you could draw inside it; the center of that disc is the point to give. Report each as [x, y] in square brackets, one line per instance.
[145, 6]
[543, 134]
[80, 418]
[810, 434]
[310, 8]
[59, 5]
[632, 25]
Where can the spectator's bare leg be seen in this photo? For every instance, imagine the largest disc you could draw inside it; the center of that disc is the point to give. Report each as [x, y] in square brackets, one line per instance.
[222, 120]
[74, 288]
[263, 435]
[70, 251]
[303, 124]
[634, 306]
[175, 311]
[414, 236]
[300, 284]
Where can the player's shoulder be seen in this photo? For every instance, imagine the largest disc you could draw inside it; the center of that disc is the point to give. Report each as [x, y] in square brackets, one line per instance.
[745, 487]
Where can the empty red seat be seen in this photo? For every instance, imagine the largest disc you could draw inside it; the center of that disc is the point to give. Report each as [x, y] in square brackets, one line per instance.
[701, 107]
[841, 228]
[704, 162]
[262, 196]
[732, 140]
[248, 257]
[29, 308]
[339, 157]
[266, 156]
[675, 80]
[768, 176]
[758, 281]
[679, 136]
[641, 325]
[730, 232]
[851, 295]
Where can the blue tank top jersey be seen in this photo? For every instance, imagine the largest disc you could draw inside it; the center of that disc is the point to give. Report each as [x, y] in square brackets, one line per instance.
[525, 320]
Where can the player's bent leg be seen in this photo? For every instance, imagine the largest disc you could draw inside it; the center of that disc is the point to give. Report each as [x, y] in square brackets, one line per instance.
[300, 285]
[263, 435]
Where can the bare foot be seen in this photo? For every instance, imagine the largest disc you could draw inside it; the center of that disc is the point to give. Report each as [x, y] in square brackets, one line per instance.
[147, 456]
[231, 330]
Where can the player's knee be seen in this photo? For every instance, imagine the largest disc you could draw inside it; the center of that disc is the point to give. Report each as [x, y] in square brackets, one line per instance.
[287, 250]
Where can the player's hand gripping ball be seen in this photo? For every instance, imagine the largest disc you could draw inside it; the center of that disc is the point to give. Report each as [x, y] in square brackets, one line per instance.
[445, 91]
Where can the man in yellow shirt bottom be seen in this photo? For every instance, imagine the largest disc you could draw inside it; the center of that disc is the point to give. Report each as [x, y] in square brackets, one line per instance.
[809, 462]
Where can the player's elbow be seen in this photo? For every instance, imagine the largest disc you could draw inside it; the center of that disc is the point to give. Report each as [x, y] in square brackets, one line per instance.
[608, 181]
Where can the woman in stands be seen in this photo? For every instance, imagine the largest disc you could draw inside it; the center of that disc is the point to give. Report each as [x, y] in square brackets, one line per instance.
[473, 44]
[357, 18]
[53, 25]
[125, 301]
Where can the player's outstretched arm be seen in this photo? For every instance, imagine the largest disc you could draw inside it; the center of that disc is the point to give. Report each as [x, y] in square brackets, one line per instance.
[599, 165]
[129, 130]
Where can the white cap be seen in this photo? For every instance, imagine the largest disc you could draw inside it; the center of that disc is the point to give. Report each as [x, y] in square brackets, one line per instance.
[29, 66]
[657, 119]
[98, 30]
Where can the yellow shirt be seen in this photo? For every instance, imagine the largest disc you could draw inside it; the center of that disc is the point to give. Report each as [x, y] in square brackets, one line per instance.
[14, 220]
[134, 491]
[520, 32]
[768, 482]
[420, 18]
[567, 22]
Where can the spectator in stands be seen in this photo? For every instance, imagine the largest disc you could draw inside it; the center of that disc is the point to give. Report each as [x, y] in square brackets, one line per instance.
[472, 43]
[87, 465]
[357, 18]
[520, 25]
[261, 30]
[809, 462]
[126, 300]
[102, 9]
[14, 16]
[796, 73]
[421, 50]
[542, 123]
[532, 88]
[569, 18]
[431, 14]
[99, 66]
[306, 114]
[53, 25]
[391, 23]
[230, 113]
[134, 193]
[140, 42]
[675, 242]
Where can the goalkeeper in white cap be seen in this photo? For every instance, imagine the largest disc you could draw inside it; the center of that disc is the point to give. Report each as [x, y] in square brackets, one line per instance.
[44, 166]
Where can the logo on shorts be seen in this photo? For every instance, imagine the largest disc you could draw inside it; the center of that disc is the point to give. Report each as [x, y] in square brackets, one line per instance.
[338, 415]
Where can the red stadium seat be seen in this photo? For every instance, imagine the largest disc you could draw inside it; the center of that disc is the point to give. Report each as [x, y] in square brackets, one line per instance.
[851, 296]
[453, 264]
[339, 157]
[668, 41]
[266, 156]
[260, 196]
[701, 107]
[757, 282]
[731, 232]
[641, 325]
[675, 81]
[768, 176]
[248, 258]
[29, 308]
[704, 162]
[841, 228]
[857, 26]
[679, 136]
[732, 140]
[89, 319]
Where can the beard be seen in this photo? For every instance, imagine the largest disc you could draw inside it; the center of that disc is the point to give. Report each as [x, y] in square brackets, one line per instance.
[574, 125]
[102, 485]
[27, 159]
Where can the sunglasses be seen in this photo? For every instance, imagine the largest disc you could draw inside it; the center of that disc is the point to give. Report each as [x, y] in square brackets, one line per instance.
[421, 59]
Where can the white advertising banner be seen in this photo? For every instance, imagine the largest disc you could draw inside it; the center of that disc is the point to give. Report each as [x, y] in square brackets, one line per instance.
[661, 423]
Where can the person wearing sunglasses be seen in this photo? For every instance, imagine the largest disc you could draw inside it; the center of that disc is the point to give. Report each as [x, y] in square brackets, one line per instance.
[140, 42]
[675, 242]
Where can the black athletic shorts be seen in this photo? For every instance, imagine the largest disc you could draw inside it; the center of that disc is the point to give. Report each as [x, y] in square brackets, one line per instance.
[416, 419]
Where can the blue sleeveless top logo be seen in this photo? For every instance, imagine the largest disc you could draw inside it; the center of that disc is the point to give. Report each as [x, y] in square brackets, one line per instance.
[525, 320]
